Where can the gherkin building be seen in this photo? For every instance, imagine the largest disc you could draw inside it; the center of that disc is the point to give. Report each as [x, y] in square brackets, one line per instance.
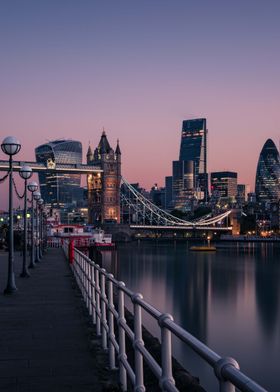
[268, 174]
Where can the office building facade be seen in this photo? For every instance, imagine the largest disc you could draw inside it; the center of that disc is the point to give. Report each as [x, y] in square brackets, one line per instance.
[59, 189]
[182, 183]
[242, 193]
[225, 184]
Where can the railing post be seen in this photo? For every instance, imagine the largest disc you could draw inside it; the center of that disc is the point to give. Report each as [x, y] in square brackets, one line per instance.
[80, 272]
[97, 299]
[103, 310]
[90, 310]
[166, 352]
[225, 385]
[139, 376]
[122, 350]
[83, 277]
[71, 252]
[93, 293]
[112, 360]
[88, 286]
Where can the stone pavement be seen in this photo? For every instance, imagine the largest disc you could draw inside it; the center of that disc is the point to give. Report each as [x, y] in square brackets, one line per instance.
[46, 342]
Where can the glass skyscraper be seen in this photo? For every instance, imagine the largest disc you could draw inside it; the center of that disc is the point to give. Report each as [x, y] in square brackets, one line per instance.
[194, 148]
[59, 189]
[268, 174]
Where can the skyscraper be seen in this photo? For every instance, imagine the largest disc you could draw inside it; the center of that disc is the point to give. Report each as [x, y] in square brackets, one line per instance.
[58, 190]
[268, 174]
[194, 148]
[182, 183]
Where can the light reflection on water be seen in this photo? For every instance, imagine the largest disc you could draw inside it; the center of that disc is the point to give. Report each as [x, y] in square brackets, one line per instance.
[229, 299]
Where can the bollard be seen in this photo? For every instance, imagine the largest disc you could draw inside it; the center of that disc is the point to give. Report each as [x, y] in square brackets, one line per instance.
[71, 251]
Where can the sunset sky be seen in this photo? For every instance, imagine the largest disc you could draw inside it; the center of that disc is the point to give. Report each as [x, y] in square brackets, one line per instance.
[138, 68]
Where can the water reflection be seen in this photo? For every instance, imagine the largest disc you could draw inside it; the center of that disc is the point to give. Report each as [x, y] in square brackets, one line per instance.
[267, 292]
[229, 300]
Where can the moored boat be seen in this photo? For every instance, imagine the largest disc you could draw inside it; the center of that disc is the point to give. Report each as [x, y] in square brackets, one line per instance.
[203, 248]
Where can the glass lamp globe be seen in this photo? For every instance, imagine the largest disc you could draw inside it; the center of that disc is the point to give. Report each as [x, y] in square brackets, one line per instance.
[10, 145]
[37, 195]
[25, 172]
[32, 186]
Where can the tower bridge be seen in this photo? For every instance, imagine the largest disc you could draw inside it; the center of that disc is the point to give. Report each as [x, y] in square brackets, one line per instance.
[112, 199]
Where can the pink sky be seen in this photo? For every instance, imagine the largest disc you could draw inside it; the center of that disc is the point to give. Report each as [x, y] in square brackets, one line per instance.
[139, 70]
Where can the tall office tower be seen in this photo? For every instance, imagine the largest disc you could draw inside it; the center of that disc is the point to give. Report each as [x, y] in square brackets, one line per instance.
[59, 190]
[194, 148]
[104, 190]
[268, 174]
[168, 192]
[225, 183]
[242, 193]
[182, 183]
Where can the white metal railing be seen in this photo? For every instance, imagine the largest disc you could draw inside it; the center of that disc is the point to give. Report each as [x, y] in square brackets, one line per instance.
[54, 243]
[97, 286]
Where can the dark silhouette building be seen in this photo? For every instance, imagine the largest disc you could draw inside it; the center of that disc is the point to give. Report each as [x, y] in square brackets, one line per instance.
[268, 174]
[57, 189]
[104, 189]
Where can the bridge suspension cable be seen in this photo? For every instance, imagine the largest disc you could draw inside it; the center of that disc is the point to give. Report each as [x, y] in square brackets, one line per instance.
[146, 211]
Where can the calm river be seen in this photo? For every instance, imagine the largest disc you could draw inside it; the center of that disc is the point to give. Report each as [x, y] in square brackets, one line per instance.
[229, 299]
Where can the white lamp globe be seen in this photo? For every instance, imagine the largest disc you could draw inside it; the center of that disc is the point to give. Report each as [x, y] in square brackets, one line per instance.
[25, 172]
[37, 195]
[10, 145]
[32, 186]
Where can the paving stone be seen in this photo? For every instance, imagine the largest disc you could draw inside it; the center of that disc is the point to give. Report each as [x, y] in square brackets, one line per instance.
[44, 342]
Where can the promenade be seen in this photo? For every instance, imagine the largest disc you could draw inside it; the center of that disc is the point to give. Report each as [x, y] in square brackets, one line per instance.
[46, 341]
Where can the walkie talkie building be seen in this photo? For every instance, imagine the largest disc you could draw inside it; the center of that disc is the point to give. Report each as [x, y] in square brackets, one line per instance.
[58, 190]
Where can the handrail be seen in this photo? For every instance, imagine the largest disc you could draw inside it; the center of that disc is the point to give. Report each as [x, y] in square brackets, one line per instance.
[97, 286]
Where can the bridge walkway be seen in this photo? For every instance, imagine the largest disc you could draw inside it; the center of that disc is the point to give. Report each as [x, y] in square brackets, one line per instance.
[46, 342]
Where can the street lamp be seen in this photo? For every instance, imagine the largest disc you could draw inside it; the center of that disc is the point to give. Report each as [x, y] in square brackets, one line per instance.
[32, 187]
[37, 197]
[11, 146]
[40, 202]
[25, 173]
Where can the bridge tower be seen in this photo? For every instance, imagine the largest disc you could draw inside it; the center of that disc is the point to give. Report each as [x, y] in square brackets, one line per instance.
[104, 189]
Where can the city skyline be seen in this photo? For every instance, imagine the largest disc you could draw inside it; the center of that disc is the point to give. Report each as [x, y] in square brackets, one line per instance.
[139, 70]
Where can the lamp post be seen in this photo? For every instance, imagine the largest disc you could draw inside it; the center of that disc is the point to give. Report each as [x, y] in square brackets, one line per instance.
[40, 202]
[32, 187]
[37, 197]
[25, 173]
[11, 146]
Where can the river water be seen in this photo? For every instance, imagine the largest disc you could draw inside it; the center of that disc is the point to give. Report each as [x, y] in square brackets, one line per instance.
[229, 299]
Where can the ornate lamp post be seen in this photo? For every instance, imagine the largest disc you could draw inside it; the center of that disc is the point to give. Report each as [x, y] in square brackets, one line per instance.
[11, 146]
[32, 187]
[40, 202]
[25, 173]
[37, 197]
